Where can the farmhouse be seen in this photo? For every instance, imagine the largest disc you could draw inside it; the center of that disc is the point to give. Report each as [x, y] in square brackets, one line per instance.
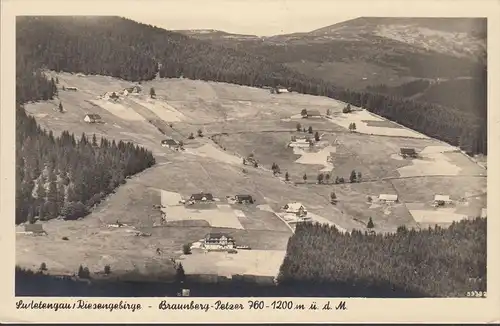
[219, 241]
[313, 114]
[388, 198]
[35, 229]
[404, 152]
[202, 197]
[92, 118]
[244, 199]
[440, 200]
[301, 143]
[170, 143]
[295, 208]
[71, 88]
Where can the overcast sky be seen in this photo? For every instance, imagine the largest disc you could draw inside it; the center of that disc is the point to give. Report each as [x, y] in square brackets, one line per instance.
[256, 17]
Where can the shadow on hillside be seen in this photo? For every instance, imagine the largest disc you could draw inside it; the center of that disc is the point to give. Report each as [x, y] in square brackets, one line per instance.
[35, 284]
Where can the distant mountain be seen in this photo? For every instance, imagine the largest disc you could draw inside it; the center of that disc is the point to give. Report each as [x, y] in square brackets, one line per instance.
[123, 48]
[367, 51]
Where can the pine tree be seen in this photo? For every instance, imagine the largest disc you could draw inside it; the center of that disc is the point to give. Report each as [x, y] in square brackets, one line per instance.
[320, 178]
[327, 177]
[316, 136]
[304, 177]
[370, 224]
[310, 130]
[180, 275]
[352, 177]
[61, 109]
[299, 127]
[287, 176]
[152, 92]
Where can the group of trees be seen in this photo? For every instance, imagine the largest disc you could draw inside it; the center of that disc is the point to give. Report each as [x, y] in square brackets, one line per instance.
[123, 48]
[435, 262]
[66, 176]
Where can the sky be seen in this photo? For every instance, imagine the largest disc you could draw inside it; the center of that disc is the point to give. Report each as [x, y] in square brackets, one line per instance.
[257, 17]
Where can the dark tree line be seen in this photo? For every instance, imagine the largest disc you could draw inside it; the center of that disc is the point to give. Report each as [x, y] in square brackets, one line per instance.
[436, 262]
[66, 176]
[123, 48]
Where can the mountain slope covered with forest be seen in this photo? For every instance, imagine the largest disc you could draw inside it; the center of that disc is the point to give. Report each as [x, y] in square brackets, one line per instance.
[123, 48]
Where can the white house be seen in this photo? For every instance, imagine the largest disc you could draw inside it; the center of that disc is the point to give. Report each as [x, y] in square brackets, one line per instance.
[218, 241]
[301, 143]
[92, 118]
[71, 88]
[125, 92]
[388, 198]
[295, 208]
[442, 199]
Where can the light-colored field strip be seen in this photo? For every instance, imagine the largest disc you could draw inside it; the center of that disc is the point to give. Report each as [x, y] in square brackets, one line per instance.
[437, 217]
[163, 110]
[119, 110]
[317, 158]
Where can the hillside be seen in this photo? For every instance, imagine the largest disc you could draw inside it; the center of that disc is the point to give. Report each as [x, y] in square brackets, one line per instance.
[123, 48]
[437, 262]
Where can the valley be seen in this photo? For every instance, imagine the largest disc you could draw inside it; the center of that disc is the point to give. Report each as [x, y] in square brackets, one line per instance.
[230, 123]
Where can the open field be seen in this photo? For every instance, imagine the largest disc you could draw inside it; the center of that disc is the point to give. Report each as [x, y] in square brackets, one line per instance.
[252, 262]
[238, 121]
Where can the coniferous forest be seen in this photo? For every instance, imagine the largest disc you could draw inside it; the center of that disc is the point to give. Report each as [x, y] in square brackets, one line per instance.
[63, 176]
[434, 262]
[123, 48]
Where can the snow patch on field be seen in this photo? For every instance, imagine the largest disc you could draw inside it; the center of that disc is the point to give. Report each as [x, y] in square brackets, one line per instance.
[121, 111]
[437, 217]
[162, 109]
[316, 158]
[432, 162]
[249, 262]
[169, 198]
[360, 118]
[210, 151]
[219, 217]
[222, 216]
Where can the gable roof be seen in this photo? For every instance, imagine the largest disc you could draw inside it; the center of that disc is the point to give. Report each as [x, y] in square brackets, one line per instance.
[202, 195]
[218, 236]
[243, 197]
[36, 228]
[388, 197]
[313, 113]
[169, 141]
[442, 198]
[93, 116]
[408, 151]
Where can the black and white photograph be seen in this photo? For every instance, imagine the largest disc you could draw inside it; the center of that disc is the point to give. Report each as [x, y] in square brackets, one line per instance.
[193, 153]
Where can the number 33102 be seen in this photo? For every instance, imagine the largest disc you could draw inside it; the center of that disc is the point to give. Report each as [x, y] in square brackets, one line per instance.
[476, 294]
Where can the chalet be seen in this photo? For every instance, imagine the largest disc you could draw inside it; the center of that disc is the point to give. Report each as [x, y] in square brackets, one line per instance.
[313, 114]
[80, 75]
[244, 199]
[125, 92]
[133, 90]
[388, 198]
[92, 118]
[301, 143]
[170, 143]
[219, 241]
[202, 197]
[295, 208]
[440, 200]
[71, 88]
[35, 229]
[404, 152]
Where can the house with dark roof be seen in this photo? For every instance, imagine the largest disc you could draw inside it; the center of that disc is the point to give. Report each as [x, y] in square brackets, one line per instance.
[244, 199]
[218, 241]
[202, 197]
[313, 114]
[405, 152]
[92, 118]
[170, 143]
[35, 229]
